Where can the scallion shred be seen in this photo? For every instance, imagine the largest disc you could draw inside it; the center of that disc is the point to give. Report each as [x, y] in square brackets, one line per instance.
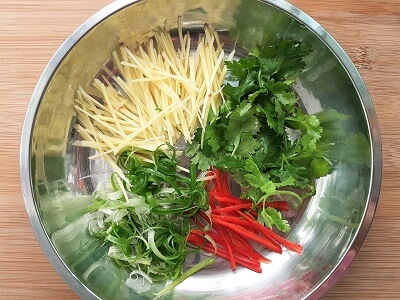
[146, 224]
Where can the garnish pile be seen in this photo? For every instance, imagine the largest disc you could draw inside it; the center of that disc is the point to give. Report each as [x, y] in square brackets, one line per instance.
[241, 123]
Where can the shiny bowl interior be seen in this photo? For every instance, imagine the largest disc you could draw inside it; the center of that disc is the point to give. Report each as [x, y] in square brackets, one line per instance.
[331, 225]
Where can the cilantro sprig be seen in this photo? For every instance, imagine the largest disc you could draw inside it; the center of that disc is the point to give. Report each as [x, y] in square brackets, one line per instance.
[261, 135]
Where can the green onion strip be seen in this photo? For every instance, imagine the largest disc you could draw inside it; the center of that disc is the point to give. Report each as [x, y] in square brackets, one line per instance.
[146, 223]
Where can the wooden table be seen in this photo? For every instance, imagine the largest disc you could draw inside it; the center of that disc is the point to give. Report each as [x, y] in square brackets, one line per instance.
[32, 30]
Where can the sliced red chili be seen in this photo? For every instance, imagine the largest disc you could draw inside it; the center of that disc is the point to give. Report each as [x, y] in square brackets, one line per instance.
[280, 205]
[227, 245]
[232, 208]
[239, 229]
[207, 246]
[252, 227]
[288, 244]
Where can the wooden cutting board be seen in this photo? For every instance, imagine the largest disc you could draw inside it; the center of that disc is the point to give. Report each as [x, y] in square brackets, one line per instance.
[32, 30]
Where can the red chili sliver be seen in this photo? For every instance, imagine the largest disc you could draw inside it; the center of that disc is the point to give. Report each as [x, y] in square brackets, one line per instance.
[232, 208]
[232, 224]
[226, 198]
[280, 205]
[227, 247]
[288, 244]
[205, 245]
[249, 235]
[253, 228]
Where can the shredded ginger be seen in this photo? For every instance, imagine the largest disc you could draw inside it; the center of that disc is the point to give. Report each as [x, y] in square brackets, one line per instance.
[160, 95]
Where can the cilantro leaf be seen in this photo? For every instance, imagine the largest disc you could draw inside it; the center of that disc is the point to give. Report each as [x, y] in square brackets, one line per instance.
[215, 136]
[202, 161]
[320, 167]
[191, 149]
[261, 136]
[271, 217]
[241, 120]
[229, 162]
[248, 146]
[309, 126]
[270, 65]
[235, 93]
[251, 167]
[275, 120]
[286, 99]
[257, 179]
[241, 125]
[239, 69]
[269, 152]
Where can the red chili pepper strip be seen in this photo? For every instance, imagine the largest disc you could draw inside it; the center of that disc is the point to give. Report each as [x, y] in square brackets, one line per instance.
[207, 246]
[197, 222]
[280, 205]
[225, 183]
[246, 250]
[232, 208]
[243, 249]
[255, 228]
[284, 242]
[227, 247]
[197, 240]
[221, 197]
[212, 234]
[233, 219]
[205, 216]
[199, 232]
[249, 252]
[249, 264]
[211, 201]
[239, 229]
[240, 241]
[254, 214]
[288, 244]
[234, 224]
[217, 181]
[225, 198]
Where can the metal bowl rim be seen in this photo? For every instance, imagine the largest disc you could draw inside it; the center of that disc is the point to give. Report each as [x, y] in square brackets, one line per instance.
[312, 25]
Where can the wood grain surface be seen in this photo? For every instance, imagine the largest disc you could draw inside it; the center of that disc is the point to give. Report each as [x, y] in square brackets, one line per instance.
[32, 30]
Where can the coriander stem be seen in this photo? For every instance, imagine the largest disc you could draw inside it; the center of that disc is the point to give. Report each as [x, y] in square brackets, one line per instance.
[283, 192]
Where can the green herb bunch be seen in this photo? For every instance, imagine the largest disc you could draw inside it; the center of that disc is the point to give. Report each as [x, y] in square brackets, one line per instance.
[261, 135]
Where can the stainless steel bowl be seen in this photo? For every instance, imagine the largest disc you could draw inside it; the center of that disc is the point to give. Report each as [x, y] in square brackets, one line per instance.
[331, 226]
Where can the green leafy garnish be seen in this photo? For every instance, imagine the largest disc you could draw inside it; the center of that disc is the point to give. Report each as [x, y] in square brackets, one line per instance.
[261, 135]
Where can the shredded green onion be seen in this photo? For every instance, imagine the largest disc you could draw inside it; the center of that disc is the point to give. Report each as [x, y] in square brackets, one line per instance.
[146, 223]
